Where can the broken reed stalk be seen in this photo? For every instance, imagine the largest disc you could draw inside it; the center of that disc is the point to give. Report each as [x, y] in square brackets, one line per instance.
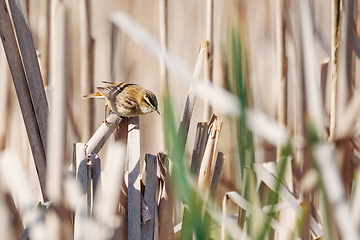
[206, 170]
[95, 171]
[209, 53]
[156, 220]
[87, 172]
[147, 230]
[282, 66]
[24, 95]
[201, 138]
[190, 102]
[121, 133]
[219, 162]
[88, 185]
[217, 172]
[188, 109]
[99, 138]
[166, 203]
[205, 163]
[121, 136]
[81, 150]
[208, 163]
[80, 169]
[86, 68]
[199, 148]
[335, 37]
[134, 191]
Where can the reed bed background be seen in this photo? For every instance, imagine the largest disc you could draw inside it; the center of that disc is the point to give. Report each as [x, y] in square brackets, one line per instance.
[258, 136]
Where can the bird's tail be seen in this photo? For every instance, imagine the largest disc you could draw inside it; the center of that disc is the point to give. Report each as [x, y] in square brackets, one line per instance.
[94, 95]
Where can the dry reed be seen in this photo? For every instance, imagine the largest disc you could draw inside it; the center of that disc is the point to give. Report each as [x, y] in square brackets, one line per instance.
[294, 150]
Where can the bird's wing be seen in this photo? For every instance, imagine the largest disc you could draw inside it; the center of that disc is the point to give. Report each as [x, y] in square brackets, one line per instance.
[119, 93]
[103, 92]
[127, 101]
[111, 91]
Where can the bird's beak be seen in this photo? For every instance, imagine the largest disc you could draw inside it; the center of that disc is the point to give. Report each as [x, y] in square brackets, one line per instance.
[158, 111]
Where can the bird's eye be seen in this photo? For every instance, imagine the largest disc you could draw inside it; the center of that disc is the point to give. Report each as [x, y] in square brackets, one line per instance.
[147, 102]
[149, 99]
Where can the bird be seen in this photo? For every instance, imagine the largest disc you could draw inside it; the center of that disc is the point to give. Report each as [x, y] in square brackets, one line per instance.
[126, 99]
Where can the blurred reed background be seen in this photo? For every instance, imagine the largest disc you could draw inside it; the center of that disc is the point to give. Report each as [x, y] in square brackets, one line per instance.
[278, 160]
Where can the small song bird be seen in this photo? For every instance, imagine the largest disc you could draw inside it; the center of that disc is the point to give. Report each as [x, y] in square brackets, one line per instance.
[126, 99]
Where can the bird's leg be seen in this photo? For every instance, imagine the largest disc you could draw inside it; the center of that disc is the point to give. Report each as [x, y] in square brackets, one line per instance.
[105, 121]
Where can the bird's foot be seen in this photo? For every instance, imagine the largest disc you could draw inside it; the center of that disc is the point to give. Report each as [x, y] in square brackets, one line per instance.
[106, 123]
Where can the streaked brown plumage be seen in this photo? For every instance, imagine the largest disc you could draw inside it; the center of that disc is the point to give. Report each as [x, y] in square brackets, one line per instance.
[126, 99]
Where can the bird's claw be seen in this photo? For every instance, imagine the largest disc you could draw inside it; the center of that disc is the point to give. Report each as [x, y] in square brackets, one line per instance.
[106, 123]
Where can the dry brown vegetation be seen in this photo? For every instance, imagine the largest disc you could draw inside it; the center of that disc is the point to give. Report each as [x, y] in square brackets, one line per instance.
[258, 136]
